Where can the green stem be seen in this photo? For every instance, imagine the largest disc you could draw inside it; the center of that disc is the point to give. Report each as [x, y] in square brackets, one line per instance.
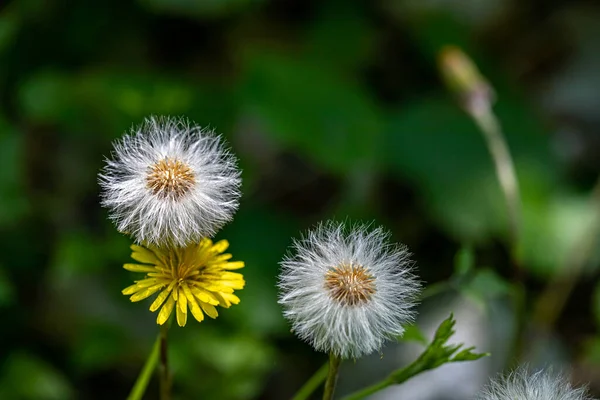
[312, 384]
[165, 378]
[139, 388]
[505, 170]
[332, 374]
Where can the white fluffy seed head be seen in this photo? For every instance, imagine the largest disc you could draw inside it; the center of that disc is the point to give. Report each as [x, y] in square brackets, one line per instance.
[170, 182]
[346, 290]
[541, 385]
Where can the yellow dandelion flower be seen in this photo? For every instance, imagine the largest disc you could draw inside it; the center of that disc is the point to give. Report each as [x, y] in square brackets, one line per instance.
[198, 276]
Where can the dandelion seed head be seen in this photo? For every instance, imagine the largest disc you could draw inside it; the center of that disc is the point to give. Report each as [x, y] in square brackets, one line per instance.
[541, 385]
[350, 285]
[170, 182]
[346, 289]
[170, 179]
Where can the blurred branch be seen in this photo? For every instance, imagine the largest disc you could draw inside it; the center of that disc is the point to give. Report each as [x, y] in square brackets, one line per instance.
[313, 383]
[505, 170]
[139, 388]
[553, 299]
[476, 97]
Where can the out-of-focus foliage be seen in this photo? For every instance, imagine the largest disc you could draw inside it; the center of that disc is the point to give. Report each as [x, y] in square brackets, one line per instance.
[334, 108]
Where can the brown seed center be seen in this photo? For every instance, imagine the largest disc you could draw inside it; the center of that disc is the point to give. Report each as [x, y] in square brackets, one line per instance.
[170, 178]
[350, 284]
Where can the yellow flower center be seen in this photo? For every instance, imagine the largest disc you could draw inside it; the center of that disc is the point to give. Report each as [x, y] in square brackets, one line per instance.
[170, 178]
[350, 284]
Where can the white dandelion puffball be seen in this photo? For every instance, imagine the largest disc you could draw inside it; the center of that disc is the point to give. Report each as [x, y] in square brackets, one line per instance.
[170, 183]
[541, 385]
[347, 290]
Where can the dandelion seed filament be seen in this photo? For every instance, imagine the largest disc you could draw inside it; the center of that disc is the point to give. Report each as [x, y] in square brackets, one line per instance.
[350, 284]
[170, 178]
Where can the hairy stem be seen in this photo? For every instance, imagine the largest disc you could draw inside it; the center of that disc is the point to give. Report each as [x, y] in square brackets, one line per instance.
[332, 374]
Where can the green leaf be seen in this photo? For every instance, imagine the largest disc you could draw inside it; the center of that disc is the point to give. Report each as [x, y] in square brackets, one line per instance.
[27, 377]
[309, 108]
[445, 330]
[468, 355]
[438, 353]
[464, 261]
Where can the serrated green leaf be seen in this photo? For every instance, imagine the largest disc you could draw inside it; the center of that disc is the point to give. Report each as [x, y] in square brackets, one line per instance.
[468, 355]
[435, 355]
[445, 330]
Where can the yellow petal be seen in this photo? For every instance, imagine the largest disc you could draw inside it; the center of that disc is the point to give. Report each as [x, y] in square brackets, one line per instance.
[204, 296]
[222, 300]
[233, 265]
[220, 246]
[144, 283]
[144, 255]
[232, 298]
[130, 289]
[209, 310]
[147, 292]
[231, 276]
[221, 258]
[196, 311]
[161, 297]
[203, 245]
[138, 268]
[165, 311]
[233, 284]
[182, 310]
[182, 300]
[219, 288]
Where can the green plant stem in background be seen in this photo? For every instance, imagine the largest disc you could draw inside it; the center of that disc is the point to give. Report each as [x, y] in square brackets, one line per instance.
[476, 97]
[490, 128]
[313, 383]
[551, 302]
[139, 388]
[332, 375]
[505, 170]
[165, 378]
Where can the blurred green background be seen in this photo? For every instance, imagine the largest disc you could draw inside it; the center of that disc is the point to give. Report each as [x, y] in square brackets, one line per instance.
[334, 108]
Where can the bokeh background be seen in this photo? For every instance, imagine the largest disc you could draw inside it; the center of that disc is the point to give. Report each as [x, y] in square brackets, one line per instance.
[335, 109]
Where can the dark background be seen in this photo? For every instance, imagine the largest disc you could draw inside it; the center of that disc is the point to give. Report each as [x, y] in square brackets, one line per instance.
[335, 109]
